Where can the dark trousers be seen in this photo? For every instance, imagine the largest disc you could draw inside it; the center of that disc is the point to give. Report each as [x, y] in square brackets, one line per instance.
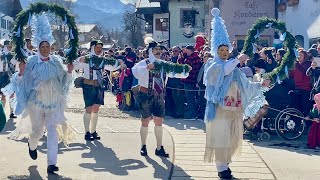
[300, 101]
[201, 101]
[191, 111]
[179, 100]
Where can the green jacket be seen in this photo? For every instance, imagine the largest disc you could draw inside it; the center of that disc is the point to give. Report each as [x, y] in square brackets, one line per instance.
[2, 117]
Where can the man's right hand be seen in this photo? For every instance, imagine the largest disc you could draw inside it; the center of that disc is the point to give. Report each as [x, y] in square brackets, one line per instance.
[150, 66]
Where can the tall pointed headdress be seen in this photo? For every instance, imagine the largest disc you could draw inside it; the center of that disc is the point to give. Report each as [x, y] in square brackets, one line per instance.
[219, 34]
[41, 30]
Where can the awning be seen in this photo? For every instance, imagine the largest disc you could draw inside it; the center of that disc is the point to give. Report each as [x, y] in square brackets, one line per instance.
[314, 29]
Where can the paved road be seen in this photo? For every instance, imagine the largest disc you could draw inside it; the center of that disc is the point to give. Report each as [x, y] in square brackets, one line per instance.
[116, 156]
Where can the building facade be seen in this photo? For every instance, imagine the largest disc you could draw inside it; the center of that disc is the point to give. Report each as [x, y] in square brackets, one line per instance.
[240, 15]
[8, 11]
[303, 21]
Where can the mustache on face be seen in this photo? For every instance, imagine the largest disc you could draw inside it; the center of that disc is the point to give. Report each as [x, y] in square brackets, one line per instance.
[157, 54]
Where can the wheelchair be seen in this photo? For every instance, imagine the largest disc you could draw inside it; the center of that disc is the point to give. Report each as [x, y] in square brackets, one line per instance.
[279, 117]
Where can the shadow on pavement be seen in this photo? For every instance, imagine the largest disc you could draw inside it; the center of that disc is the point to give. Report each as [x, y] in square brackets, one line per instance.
[298, 145]
[34, 175]
[9, 127]
[159, 171]
[62, 147]
[181, 124]
[107, 161]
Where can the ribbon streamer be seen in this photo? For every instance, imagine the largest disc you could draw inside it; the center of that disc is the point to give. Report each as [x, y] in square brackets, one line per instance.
[269, 25]
[24, 53]
[286, 71]
[283, 36]
[68, 50]
[257, 35]
[65, 19]
[71, 34]
[254, 49]
[18, 32]
[29, 19]
[278, 79]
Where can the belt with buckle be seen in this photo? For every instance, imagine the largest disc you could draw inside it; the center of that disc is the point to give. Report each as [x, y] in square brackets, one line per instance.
[91, 82]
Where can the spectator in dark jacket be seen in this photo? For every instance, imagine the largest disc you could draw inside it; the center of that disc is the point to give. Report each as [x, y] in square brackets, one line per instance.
[175, 89]
[266, 54]
[191, 58]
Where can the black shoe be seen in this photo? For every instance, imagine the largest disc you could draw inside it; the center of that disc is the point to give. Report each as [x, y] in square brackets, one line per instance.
[95, 136]
[225, 174]
[52, 168]
[12, 115]
[161, 152]
[229, 170]
[33, 154]
[88, 137]
[143, 151]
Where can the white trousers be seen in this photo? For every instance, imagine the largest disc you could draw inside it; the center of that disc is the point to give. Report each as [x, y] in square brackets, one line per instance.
[44, 120]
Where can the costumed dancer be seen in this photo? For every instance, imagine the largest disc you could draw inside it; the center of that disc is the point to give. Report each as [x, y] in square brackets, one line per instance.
[229, 95]
[41, 96]
[93, 88]
[151, 98]
[7, 68]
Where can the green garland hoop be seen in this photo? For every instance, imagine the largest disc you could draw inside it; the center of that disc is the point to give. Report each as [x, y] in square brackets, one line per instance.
[24, 17]
[281, 72]
[167, 67]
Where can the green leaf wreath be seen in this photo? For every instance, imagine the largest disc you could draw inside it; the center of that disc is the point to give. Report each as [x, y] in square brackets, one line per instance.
[170, 67]
[281, 72]
[98, 60]
[23, 18]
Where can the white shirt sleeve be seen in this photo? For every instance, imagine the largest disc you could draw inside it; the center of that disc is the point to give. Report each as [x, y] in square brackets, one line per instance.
[141, 72]
[230, 65]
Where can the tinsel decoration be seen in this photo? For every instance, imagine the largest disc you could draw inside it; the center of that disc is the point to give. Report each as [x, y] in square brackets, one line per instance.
[287, 63]
[23, 19]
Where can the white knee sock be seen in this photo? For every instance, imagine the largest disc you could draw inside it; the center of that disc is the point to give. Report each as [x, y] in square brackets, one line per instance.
[158, 132]
[221, 166]
[86, 121]
[143, 135]
[94, 121]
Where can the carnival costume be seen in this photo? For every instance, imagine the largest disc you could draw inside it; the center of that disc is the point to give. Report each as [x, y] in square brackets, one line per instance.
[230, 96]
[92, 87]
[41, 97]
[7, 67]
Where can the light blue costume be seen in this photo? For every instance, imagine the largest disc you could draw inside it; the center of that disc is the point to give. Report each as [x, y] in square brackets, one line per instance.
[224, 82]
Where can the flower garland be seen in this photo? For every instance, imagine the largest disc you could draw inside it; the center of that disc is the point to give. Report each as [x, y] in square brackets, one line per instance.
[24, 19]
[168, 67]
[281, 72]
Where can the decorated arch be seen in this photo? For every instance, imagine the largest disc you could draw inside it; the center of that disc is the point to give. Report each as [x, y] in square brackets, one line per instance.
[289, 43]
[24, 19]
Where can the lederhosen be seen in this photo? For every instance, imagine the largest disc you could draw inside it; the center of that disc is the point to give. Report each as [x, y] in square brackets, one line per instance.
[151, 99]
[93, 90]
[6, 73]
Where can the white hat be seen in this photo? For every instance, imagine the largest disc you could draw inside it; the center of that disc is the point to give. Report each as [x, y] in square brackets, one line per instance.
[41, 30]
[219, 34]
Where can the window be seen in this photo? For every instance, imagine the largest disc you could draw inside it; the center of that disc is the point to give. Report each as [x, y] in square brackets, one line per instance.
[188, 17]
[9, 25]
[314, 41]
[3, 24]
[300, 40]
[162, 24]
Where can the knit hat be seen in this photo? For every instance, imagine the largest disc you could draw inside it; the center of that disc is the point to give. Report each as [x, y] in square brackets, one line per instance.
[219, 34]
[260, 64]
[41, 30]
[190, 47]
[313, 52]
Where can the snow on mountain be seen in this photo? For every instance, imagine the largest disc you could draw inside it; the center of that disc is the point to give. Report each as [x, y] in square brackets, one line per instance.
[106, 13]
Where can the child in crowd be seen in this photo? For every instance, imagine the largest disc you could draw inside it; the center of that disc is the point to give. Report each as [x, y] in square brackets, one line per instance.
[314, 134]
